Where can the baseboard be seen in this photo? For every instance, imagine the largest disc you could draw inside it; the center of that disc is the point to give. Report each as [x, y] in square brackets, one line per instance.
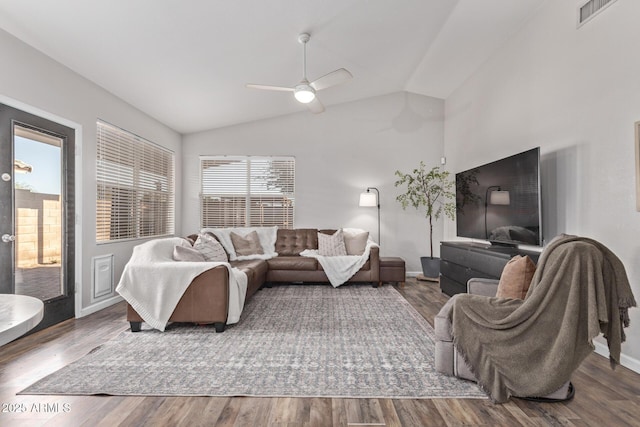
[99, 306]
[626, 361]
[413, 273]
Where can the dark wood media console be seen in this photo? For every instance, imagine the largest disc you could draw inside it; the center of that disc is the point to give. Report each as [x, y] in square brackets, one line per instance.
[461, 261]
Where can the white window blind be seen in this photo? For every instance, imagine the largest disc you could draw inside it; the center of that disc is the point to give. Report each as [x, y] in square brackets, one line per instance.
[135, 186]
[247, 191]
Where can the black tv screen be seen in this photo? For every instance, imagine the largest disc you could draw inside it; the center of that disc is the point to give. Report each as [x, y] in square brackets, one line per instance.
[500, 201]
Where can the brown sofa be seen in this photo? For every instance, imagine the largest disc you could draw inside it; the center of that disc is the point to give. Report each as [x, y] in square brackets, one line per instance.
[206, 299]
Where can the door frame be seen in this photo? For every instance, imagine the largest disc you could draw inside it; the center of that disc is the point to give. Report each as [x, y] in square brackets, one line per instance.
[10, 102]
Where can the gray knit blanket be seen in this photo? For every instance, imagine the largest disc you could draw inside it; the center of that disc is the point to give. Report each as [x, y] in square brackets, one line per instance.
[531, 347]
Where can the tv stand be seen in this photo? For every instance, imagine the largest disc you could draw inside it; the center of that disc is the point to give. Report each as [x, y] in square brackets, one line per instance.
[461, 261]
[504, 244]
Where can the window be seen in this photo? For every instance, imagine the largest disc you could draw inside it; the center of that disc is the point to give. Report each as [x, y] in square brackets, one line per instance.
[135, 188]
[247, 191]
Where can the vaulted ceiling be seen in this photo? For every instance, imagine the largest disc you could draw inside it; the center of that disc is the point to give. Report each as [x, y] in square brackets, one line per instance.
[186, 62]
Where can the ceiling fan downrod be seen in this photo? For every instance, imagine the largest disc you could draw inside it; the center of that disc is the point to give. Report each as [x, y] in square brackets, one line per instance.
[303, 92]
[303, 39]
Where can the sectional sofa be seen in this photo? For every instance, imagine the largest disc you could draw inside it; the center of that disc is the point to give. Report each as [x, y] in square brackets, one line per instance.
[206, 299]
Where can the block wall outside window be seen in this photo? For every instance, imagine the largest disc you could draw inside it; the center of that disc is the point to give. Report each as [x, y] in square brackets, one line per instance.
[38, 223]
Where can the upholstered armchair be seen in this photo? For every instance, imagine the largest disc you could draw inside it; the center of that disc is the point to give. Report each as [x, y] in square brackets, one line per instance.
[450, 362]
[528, 340]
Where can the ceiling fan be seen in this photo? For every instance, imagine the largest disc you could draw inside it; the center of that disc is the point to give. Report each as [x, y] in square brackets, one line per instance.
[305, 91]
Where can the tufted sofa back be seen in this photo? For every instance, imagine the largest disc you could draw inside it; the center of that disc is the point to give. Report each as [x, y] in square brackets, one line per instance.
[292, 242]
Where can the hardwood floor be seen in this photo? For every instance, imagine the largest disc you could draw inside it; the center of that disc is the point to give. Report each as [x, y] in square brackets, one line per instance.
[603, 397]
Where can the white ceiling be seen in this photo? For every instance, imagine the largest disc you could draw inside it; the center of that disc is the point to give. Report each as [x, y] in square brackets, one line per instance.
[186, 62]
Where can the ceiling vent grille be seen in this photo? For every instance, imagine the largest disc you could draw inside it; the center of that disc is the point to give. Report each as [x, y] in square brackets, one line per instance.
[590, 9]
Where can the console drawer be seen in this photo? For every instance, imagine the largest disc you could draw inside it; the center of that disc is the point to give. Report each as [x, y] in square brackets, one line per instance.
[487, 263]
[462, 274]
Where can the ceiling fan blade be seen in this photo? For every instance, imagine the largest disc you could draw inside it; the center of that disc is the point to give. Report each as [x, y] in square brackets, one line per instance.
[267, 87]
[315, 106]
[333, 78]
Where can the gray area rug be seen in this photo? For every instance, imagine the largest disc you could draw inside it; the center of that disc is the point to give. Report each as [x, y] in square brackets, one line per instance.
[300, 340]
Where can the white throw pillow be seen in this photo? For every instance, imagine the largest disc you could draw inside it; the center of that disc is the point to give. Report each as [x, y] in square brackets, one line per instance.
[183, 253]
[331, 245]
[210, 249]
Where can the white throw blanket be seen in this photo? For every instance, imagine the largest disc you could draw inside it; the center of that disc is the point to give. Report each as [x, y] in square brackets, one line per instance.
[339, 269]
[153, 283]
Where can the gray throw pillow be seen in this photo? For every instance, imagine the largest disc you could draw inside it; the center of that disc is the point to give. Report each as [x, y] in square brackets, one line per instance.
[356, 243]
[247, 245]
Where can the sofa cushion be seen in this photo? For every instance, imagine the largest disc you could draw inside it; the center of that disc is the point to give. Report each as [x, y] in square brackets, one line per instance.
[331, 245]
[210, 248]
[516, 278]
[365, 267]
[292, 242]
[298, 263]
[247, 245]
[256, 271]
[355, 242]
[258, 266]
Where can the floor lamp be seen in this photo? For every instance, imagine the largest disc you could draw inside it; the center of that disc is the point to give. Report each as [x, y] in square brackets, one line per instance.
[368, 199]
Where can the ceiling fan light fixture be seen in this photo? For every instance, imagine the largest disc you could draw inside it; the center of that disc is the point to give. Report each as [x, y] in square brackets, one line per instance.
[304, 93]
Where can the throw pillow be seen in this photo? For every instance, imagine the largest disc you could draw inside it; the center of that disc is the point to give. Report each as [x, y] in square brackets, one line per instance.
[247, 245]
[355, 242]
[210, 248]
[183, 253]
[266, 235]
[516, 278]
[331, 245]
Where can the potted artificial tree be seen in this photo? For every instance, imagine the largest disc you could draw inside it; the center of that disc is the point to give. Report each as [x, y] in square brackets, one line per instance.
[433, 192]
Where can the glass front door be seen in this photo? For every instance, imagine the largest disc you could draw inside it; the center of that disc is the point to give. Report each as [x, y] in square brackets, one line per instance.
[37, 211]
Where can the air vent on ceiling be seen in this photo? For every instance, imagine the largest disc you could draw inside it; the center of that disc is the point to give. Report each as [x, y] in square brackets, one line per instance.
[587, 11]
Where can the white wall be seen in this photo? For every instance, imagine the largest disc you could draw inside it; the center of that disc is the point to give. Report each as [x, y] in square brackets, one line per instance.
[33, 82]
[576, 94]
[338, 155]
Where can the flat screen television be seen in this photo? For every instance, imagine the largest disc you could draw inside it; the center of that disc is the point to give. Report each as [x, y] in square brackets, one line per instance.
[500, 201]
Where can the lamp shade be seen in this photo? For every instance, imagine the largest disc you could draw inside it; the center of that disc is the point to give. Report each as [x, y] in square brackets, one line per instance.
[499, 198]
[368, 199]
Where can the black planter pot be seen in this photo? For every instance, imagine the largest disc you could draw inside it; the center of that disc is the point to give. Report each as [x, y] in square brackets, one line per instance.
[430, 267]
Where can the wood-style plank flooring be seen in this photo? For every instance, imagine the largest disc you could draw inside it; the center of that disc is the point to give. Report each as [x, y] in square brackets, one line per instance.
[603, 397]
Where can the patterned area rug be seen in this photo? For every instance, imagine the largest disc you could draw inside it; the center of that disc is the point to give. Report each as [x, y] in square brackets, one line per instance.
[301, 341]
